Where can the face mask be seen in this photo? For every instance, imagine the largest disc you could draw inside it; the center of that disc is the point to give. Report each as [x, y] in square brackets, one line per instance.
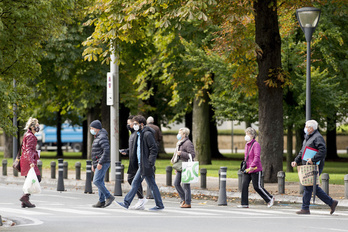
[136, 127]
[92, 132]
[305, 130]
[37, 129]
[179, 137]
[247, 138]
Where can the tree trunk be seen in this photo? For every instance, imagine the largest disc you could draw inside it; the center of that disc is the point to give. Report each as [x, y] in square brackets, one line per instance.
[85, 132]
[331, 145]
[270, 97]
[8, 145]
[289, 154]
[299, 140]
[59, 135]
[188, 123]
[201, 132]
[124, 134]
[214, 146]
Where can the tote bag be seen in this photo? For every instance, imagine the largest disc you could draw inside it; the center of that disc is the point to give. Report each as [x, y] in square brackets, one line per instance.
[306, 174]
[31, 183]
[190, 171]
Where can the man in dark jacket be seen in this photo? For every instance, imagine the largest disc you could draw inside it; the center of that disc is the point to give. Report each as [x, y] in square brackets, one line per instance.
[100, 162]
[313, 139]
[143, 159]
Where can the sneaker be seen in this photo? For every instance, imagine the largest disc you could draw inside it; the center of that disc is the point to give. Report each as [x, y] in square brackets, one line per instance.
[141, 204]
[121, 204]
[243, 206]
[271, 203]
[99, 205]
[156, 208]
[109, 200]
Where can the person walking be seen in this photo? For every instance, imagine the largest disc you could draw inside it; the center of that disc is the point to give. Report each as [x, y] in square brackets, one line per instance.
[313, 139]
[100, 163]
[29, 156]
[253, 170]
[158, 134]
[145, 151]
[184, 147]
[132, 169]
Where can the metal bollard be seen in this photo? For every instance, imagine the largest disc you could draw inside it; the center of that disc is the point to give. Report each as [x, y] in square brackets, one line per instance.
[347, 150]
[65, 169]
[346, 186]
[148, 189]
[301, 188]
[222, 192]
[4, 167]
[203, 178]
[219, 177]
[15, 172]
[122, 173]
[107, 175]
[118, 188]
[281, 182]
[60, 186]
[325, 182]
[39, 165]
[88, 185]
[236, 149]
[53, 170]
[169, 171]
[78, 170]
[240, 180]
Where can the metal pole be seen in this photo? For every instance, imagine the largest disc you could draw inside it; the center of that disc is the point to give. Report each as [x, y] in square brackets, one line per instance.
[308, 82]
[15, 142]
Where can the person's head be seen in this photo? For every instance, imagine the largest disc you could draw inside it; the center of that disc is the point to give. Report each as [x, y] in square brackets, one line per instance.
[33, 125]
[311, 126]
[139, 122]
[250, 134]
[95, 127]
[130, 122]
[150, 120]
[183, 133]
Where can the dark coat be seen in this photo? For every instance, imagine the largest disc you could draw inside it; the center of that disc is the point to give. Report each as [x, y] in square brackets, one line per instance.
[29, 153]
[148, 150]
[158, 133]
[316, 141]
[186, 148]
[132, 169]
[100, 148]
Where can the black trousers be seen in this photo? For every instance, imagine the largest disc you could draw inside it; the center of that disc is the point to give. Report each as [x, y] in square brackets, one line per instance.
[256, 178]
[130, 179]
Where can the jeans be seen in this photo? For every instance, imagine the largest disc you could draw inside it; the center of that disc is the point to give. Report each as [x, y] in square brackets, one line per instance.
[98, 180]
[184, 193]
[140, 189]
[256, 178]
[136, 183]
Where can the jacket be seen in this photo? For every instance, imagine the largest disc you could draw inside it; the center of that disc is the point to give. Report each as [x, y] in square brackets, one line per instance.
[132, 169]
[148, 152]
[100, 148]
[186, 148]
[158, 133]
[254, 159]
[316, 141]
[29, 153]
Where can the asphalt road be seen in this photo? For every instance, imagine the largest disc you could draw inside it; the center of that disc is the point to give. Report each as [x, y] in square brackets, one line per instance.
[71, 211]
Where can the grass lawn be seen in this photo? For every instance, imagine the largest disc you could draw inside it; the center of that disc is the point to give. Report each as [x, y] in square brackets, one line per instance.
[336, 170]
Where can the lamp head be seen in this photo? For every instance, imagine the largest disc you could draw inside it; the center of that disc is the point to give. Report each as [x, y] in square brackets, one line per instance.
[308, 17]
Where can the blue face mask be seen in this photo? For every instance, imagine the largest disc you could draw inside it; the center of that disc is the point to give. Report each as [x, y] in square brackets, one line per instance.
[179, 137]
[92, 132]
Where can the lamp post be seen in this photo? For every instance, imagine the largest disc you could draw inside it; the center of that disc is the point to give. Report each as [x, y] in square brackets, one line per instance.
[308, 18]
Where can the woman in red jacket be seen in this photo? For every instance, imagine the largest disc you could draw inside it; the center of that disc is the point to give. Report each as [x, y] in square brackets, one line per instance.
[29, 156]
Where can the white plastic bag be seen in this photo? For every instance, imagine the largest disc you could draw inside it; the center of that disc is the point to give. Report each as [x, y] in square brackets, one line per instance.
[190, 171]
[31, 183]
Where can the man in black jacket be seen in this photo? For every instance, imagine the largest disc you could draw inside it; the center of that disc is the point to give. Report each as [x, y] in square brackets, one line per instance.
[313, 139]
[143, 159]
[100, 162]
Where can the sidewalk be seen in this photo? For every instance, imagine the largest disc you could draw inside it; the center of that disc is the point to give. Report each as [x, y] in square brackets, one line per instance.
[291, 195]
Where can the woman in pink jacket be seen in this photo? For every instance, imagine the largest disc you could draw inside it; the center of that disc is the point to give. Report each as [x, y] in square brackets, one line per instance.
[29, 156]
[253, 170]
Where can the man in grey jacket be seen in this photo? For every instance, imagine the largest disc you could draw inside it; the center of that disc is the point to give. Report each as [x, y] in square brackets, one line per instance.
[100, 162]
[313, 139]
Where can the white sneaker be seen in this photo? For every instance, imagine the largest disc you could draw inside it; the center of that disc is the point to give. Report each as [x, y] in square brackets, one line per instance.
[270, 204]
[243, 206]
[140, 205]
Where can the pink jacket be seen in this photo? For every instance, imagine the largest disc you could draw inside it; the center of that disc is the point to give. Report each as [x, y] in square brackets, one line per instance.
[29, 153]
[254, 155]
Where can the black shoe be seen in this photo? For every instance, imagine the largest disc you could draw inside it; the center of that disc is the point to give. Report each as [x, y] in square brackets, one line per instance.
[333, 206]
[303, 211]
[109, 200]
[99, 205]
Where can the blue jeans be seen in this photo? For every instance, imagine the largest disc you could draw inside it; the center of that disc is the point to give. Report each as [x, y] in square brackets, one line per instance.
[136, 183]
[98, 180]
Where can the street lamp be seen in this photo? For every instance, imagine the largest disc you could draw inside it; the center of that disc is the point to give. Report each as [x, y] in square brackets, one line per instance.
[308, 18]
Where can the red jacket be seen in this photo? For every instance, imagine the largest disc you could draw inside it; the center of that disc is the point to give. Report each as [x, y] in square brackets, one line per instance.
[29, 153]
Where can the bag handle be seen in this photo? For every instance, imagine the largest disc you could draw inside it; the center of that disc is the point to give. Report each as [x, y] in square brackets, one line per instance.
[190, 156]
[250, 150]
[19, 151]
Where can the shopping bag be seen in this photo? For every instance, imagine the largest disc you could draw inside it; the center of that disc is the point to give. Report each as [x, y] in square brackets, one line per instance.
[306, 174]
[31, 183]
[190, 171]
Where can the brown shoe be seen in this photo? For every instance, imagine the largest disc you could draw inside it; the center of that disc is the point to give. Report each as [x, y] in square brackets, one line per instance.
[25, 201]
[186, 206]
[303, 211]
[182, 203]
[333, 206]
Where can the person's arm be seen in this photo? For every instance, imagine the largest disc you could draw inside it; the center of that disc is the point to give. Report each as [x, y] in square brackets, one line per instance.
[104, 144]
[153, 149]
[189, 149]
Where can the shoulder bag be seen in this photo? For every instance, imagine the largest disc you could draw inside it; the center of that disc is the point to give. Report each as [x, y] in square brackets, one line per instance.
[243, 164]
[16, 163]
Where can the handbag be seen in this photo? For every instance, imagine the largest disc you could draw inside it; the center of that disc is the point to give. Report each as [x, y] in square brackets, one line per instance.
[306, 174]
[178, 165]
[16, 163]
[190, 171]
[243, 164]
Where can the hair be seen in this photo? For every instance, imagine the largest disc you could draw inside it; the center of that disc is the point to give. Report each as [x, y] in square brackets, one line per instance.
[131, 117]
[150, 120]
[140, 119]
[31, 123]
[313, 124]
[185, 130]
[251, 131]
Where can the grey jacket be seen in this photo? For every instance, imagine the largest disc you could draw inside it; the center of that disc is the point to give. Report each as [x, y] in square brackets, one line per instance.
[186, 148]
[100, 148]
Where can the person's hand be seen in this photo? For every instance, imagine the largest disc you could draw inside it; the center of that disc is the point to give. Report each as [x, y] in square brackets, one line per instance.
[99, 166]
[123, 153]
[293, 164]
[92, 168]
[32, 165]
[178, 153]
[310, 161]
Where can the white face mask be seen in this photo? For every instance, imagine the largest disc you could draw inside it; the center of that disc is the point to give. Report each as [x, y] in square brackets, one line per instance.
[247, 138]
[136, 127]
[305, 130]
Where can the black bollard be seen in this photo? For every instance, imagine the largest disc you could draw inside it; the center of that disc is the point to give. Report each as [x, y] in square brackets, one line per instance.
[78, 170]
[65, 169]
[325, 182]
[60, 186]
[53, 170]
[4, 167]
[15, 172]
[107, 175]
[169, 171]
[39, 165]
[88, 185]
[281, 182]
[236, 149]
[118, 187]
[122, 173]
[240, 180]
[301, 188]
[222, 201]
[219, 177]
[148, 189]
[203, 178]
